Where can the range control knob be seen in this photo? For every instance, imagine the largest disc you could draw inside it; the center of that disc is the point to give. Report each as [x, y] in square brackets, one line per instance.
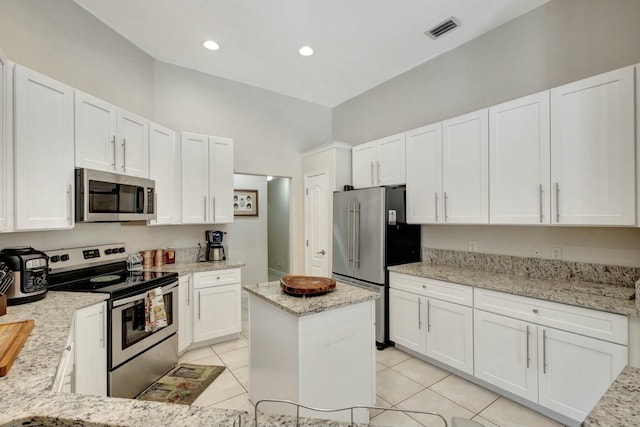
[55, 258]
[107, 251]
[121, 250]
[65, 257]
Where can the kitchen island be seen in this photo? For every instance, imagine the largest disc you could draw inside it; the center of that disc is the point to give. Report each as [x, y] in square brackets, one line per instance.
[318, 351]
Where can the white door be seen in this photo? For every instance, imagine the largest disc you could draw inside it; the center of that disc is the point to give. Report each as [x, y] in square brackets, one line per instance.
[450, 334]
[95, 133]
[317, 218]
[575, 371]
[185, 316]
[164, 169]
[363, 163]
[407, 320]
[424, 174]
[519, 161]
[593, 150]
[195, 177]
[216, 312]
[133, 137]
[220, 180]
[505, 353]
[465, 169]
[90, 376]
[43, 149]
[4, 140]
[390, 160]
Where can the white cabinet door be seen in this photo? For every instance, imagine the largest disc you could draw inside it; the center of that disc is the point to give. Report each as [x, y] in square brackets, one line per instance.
[575, 371]
[133, 138]
[217, 312]
[185, 315]
[95, 133]
[164, 169]
[465, 166]
[424, 174]
[519, 161]
[90, 372]
[43, 150]
[390, 160]
[195, 178]
[220, 179]
[593, 150]
[5, 160]
[407, 322]
[363, 164]
[505, 353]
[450, 334]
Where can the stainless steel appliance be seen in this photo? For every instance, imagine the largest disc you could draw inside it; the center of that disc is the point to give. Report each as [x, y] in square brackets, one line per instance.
[215, 250]
[370, 233]
[136, 357]
[109, 197]
[29, 268]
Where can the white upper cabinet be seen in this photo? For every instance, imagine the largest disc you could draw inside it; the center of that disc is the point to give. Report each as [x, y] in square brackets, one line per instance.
[465, 169]
[593, 150]
[109, 138]
[221, 179]
[43, 150]
[424, 174]
[519, 161]
[207, 179]
[164, 168]
[379, 162]
[4, 141]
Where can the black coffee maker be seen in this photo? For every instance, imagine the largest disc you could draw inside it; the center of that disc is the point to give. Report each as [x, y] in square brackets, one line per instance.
[215, 250]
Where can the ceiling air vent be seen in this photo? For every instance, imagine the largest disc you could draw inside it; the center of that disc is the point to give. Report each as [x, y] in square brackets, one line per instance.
[443, 28]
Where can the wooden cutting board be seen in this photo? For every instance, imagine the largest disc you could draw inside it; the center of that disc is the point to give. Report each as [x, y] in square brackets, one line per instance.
[12, 338]
[306, 285]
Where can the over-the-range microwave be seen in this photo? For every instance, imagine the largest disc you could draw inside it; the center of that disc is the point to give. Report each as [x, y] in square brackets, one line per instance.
[110, 197]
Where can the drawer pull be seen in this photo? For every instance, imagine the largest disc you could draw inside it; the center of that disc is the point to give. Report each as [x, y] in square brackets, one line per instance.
[218, 278]
[424, 286]
[535, 310]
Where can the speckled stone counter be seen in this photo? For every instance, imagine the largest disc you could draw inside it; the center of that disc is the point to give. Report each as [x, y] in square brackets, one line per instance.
[343, 295]
[197, 267]
[598, 296]
[620, 406]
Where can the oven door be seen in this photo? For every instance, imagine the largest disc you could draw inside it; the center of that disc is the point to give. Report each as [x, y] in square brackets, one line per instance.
[128, 335]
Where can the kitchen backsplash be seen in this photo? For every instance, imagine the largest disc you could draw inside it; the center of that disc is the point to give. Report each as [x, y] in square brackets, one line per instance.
[534, 268]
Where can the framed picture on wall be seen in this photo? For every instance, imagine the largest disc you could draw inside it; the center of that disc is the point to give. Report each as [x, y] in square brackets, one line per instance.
[245, 202]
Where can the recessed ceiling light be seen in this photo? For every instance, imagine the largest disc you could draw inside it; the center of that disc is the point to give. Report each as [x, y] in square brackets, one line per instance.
[211, 45]
[306, 51]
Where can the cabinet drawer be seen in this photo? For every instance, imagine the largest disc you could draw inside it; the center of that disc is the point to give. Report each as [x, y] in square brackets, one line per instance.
[584, 321]
[216, 278]
[452, 292]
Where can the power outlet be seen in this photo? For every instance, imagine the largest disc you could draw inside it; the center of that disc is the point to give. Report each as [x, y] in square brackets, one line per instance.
[556, 253]
[537, 251]
[473, 246]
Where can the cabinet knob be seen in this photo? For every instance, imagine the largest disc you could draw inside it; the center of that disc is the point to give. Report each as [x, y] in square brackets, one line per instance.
[218, 278]
[424, 286]
[535, 310]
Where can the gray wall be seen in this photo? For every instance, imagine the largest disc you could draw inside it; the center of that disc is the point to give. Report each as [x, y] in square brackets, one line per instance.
[278, 228]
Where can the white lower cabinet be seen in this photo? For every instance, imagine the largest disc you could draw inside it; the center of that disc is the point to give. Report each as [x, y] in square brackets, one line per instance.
[217, 307]
[185, 313]
[432, 326]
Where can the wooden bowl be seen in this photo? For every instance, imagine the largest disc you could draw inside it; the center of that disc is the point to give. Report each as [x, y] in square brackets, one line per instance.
[306, 285]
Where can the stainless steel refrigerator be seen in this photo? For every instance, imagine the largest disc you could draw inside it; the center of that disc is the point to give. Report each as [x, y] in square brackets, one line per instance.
[370, 233]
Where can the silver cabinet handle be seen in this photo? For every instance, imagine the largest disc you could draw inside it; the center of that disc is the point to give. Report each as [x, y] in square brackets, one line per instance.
[199, 305]
[69, 204]
[445, 206]
[419, 313]
[322, 252]
[350, 234]
[371, 173]
[428, 315]
[102, 327]
[188, 293]
[356, 255]
[528, 357]
[541, 213]
[205, 208]
[378, 172]
[544, 351]
[213, 209]
[113, 141]
[436, 204]
[124, 154]
[558, 203]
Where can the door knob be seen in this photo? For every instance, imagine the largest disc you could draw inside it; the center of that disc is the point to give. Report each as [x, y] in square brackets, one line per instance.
[322, 252]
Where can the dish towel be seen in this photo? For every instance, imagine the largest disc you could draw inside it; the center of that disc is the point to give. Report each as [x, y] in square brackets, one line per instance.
[154, 310]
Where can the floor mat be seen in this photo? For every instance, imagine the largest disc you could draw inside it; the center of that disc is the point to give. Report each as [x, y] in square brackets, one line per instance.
[183, 384]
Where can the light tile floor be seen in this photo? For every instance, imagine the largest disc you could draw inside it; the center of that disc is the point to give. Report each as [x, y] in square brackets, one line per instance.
[402, 382]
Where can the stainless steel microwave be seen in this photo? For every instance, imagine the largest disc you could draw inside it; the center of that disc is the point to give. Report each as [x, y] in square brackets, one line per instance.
[110, 197]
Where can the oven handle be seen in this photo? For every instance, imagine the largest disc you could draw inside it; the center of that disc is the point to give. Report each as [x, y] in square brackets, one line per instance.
[138, 297]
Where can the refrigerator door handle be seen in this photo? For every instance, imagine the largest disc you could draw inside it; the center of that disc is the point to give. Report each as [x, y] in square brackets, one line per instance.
[350, 235]
[356, 239]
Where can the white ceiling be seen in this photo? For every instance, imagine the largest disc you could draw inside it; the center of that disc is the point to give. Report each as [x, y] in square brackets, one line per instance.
[358, 43]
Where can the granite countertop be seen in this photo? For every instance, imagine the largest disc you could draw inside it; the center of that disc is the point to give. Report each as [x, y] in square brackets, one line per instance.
[197, 267]
[343, 295]
[598, 296]
[620, 404]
